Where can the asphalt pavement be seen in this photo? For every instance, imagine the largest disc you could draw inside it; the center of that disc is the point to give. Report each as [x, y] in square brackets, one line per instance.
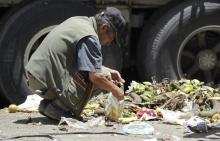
[33, 126]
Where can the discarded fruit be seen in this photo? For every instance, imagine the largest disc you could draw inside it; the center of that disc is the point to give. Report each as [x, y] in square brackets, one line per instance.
[12, 108]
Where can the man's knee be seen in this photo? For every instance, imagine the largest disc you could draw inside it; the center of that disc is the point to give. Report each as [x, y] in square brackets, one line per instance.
[38, 88]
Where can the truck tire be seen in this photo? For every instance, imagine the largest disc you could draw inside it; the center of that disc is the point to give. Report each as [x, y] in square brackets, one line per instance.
[18, 28]
[182, 43]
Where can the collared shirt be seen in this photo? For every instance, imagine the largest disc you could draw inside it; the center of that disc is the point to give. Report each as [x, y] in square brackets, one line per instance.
[89, 56]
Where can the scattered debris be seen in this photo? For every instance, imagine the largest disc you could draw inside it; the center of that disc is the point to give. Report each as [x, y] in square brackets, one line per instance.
[29, 120]
[138, 128]
[12, 108]
[74, 123]
[62, 128]
[127, 120]
[173, 117]
[177, 95]
[215, 117]
[174, 94]
[175, 102]
[147, 114]
[184, 102]
[197, 125]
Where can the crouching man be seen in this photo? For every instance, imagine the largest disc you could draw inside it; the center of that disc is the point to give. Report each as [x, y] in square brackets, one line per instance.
[67, 65]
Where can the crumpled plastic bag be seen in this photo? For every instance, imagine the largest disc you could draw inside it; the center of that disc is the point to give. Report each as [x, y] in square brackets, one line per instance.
[197, 124]
[173, 117]
[31, 104]
[114, 108]
[74, 123]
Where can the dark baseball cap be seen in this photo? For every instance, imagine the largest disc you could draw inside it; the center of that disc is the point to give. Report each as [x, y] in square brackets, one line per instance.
[117, 22]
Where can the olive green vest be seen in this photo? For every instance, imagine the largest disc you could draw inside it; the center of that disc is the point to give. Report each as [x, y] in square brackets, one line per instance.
[54, 62]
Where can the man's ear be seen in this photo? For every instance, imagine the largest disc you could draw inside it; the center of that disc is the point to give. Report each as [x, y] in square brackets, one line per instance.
[105, 27]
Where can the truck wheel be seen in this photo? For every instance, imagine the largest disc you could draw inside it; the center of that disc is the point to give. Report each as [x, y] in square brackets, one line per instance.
[183, 43]
[22, 30]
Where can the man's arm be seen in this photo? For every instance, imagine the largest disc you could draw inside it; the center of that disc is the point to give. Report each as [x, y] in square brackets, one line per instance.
[89, 59]
[102, 82]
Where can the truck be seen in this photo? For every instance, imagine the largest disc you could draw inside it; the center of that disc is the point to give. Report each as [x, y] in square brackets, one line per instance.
[166, 39]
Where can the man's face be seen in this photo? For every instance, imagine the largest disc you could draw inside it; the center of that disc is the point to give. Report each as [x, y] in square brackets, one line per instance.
[105, 37]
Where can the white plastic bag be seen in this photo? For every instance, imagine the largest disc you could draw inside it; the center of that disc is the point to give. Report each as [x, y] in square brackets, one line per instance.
[114, 108]
[31, 104]
[174, 117]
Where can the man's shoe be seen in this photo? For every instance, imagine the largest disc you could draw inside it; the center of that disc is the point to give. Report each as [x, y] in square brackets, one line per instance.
[51, 110]
[43, 105]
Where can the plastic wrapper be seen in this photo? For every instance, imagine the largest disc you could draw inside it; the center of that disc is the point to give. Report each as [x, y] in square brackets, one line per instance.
[74, 123]
[197, 125]
[138, 128]
[114, 108]
[173, 117]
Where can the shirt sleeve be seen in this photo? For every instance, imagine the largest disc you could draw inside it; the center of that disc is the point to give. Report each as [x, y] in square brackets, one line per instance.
[89, 55]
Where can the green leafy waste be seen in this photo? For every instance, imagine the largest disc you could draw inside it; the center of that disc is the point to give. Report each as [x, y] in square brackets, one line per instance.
[174, 94]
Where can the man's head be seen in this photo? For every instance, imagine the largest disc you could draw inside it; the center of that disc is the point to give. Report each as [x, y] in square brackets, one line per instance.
[110, 25]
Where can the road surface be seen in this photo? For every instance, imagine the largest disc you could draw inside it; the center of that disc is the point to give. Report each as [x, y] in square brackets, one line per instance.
[34, 127]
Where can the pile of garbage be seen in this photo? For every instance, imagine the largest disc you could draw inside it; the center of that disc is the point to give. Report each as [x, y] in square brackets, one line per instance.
[148, 100]
[173, 95]
[183, 102]
[183, 95]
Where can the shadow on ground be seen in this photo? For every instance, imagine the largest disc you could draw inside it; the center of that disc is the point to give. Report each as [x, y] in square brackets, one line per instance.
[42, 120]
[213, 134]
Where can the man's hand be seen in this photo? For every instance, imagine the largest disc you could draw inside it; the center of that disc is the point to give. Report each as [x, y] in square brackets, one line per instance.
[116, 77]
[118, 93]
[103, 83]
